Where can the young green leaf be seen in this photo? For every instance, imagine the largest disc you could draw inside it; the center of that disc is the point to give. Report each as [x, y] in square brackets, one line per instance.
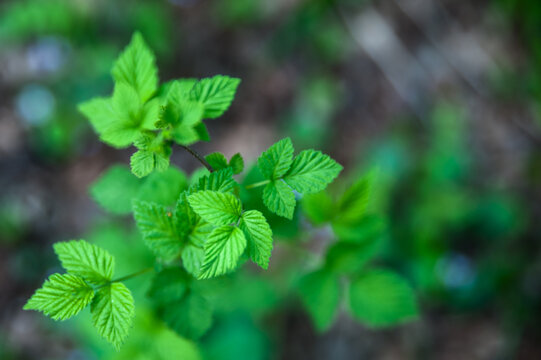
[157, 226]
[136, 66]
[215, 207]
[236, 163]
[259, 236]
[223, 249]
[276, 160]
[113, 311]
[216, 94]
[217, 161]
[279, 199]
[382, 298]
[86, 260]
[61, 297]
[311, 171]
[349, 257]
[190, 317]
[320, 293]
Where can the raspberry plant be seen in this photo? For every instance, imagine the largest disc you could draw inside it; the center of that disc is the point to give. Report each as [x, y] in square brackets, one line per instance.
[202, 230]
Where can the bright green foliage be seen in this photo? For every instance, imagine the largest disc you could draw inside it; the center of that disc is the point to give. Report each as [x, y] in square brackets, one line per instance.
[382, 298]
[215, 207]
[153, 118]
[259, 236]
[190, 317]
[88, 261]
[119, 120]
[117, 187]
[216, 94]
[157, 225]
[279, 198]
[276, 160]
[152, 155]
[309, 172]
[221, 181]
[223, 249]
[113, 311]
[136, 67]
[320, 293]
[61, 297]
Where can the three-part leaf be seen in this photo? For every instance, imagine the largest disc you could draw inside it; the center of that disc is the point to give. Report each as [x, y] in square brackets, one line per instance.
[61, 296]
[309, 172]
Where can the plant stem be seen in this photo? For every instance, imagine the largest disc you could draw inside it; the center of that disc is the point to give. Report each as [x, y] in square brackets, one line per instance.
[198, 157]
[127, 277]
[258, 184]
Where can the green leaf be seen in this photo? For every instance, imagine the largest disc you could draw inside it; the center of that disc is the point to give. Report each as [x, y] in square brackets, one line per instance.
[192, 258]
[276, 160]
[311, 172]
[136, 67]
[61, 297]
[382, 298]
[279, 199]
[259, 236]
[216, 94]
[215, 207]
[319, 207]
[353, 204]
[115, 189]
[157, 226]
[217, 161]
[113, 311]
[86, 260]
[221, 181]
[120, 119]
[236, 163]
[169, 285]
[178, 89]
[320, 293]
[190, 317]
[153, 154]
[223, 249]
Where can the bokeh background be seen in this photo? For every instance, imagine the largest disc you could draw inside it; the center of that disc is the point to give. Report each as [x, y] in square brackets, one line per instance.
[442, 96]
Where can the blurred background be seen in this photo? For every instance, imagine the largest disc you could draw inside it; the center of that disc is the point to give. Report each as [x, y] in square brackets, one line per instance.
[442, 96]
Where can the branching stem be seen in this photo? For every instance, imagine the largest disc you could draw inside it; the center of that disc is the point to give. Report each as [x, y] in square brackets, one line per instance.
[198, 157]
[127, 277]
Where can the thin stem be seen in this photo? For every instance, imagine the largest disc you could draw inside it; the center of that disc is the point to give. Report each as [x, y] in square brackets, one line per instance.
[198, 157]
[127, 277]
[258, 184]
